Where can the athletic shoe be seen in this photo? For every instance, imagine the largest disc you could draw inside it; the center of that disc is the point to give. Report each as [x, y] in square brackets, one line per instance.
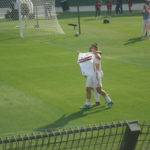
[96, 104]
[109, 105]
[85, 107]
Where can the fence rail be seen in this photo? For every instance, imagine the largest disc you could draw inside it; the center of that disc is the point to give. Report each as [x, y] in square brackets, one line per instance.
[114, 136]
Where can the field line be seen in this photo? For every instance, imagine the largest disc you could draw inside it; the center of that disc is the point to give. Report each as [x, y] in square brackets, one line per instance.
[50, 43]
[35, 67]
[107, 57]
[127, 61]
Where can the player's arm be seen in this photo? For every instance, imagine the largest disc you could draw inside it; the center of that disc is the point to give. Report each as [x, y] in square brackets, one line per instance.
[97, 55]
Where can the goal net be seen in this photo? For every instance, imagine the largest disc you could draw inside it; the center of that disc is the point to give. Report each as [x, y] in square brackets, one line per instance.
[29, 17]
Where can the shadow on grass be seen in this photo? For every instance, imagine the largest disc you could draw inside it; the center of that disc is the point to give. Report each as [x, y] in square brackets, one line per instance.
[134, 40]
[65, 119]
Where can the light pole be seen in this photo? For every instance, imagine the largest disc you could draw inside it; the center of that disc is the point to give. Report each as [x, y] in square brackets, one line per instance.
[78, 11]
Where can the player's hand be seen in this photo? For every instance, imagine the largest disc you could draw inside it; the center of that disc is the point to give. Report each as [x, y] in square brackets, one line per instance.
[99, 52]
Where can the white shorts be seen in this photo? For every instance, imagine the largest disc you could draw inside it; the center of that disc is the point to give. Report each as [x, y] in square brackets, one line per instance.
[148, 24]
[145, 25]
[95, 80]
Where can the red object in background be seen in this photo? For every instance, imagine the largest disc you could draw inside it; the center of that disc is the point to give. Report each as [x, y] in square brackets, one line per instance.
[109, 4]
[130, 2]
[98, 4]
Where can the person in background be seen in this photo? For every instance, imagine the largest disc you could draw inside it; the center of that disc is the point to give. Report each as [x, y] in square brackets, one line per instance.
[146, 20]
[118, 8]
[98, 5]
[15, 9]
[130, 3]
[109, 7]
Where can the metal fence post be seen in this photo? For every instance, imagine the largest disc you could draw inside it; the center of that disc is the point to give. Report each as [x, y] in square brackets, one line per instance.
[131, 135]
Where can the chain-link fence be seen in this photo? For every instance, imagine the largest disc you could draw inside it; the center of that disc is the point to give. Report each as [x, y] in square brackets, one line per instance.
[115, 136]
[143, 142]
[29, 18]
[72, 2]
[92, 2]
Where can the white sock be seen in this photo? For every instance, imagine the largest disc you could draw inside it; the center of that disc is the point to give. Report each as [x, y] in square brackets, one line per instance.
[107, 98]
[87, 102]
[96, 96]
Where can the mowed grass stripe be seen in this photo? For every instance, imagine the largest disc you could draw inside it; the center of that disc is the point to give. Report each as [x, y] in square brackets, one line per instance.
[21, 110]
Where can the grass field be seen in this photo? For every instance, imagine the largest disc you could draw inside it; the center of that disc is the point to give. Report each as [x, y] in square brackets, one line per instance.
[40, 82]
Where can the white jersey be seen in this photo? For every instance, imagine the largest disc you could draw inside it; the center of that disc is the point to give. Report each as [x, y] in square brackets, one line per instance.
[86, 63]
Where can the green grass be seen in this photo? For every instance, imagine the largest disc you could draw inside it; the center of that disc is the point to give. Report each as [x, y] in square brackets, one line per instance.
[41, 85]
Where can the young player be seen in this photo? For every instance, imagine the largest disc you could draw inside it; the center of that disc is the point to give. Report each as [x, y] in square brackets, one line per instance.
[130, 2]
[94, 80]
[84, 64]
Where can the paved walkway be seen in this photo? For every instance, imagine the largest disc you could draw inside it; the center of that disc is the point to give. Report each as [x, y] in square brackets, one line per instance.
[92, 8]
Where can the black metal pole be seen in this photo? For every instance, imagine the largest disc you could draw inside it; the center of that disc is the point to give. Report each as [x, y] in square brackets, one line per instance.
[37, 19]
[78, 11]
[131, 135]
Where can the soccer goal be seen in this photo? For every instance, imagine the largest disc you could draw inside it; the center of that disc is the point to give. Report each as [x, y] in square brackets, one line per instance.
[29, 17]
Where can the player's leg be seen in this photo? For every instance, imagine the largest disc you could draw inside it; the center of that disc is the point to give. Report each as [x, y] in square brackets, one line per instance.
[117, 9]
[130, 10]
[148, 34]
[110, 11]
[97, 97]
[89, 88]
[143, 28]
[96, 13]
[99, 13]
[88, 97]
[121, 9]
[97, 82]
[105, 95]
[148, 28]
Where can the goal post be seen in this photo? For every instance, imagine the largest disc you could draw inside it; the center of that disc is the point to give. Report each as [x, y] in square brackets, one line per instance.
[29, 17]
[20, 19]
